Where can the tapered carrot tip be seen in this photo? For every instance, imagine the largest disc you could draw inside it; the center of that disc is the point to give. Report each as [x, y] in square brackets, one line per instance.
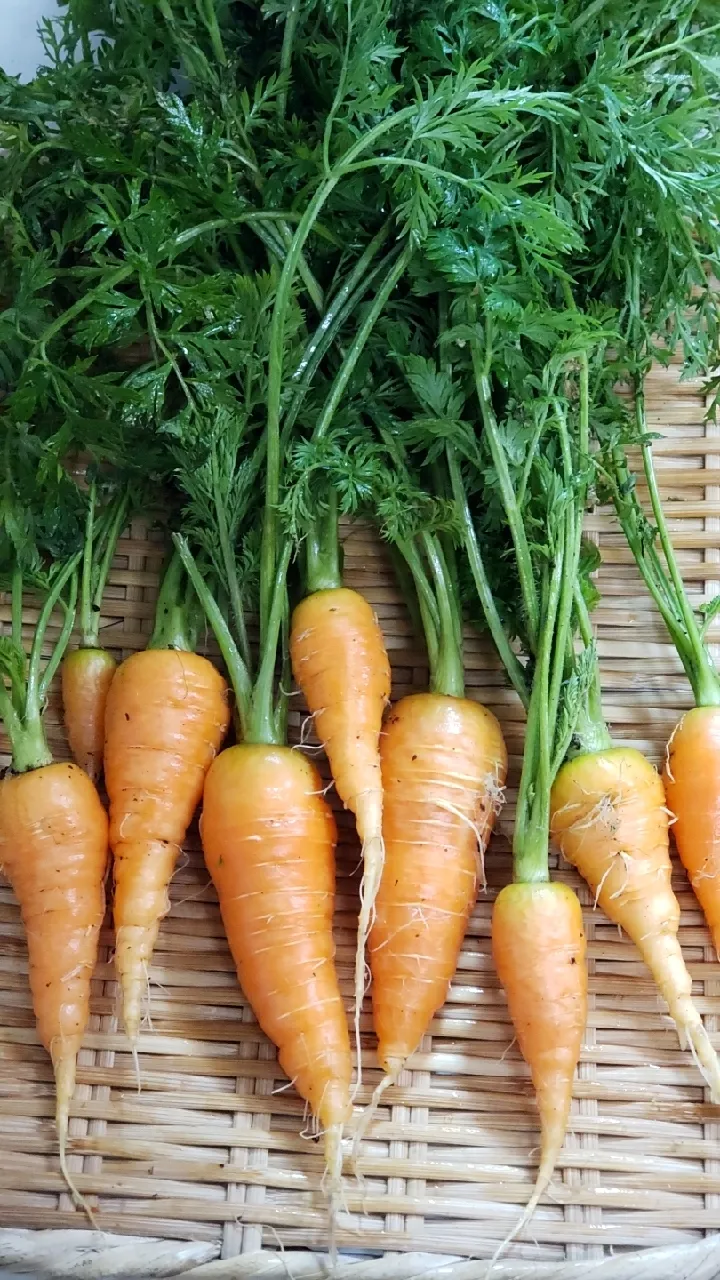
[540, 956]
[133, 950]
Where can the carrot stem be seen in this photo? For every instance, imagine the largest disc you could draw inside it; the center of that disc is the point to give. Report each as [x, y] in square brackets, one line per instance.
[447, 674]
[61, 643]
[532, 822]
[322, 548]
[171, 630]
[510, 503]
[237, 670]
[266, 714]
[591, 730]
[118, 516]
[702, 673]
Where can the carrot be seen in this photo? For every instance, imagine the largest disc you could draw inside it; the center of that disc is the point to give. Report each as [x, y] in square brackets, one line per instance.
[269, 839]
[537, 932]
[692, 787]
[53, 850]
[86, 676]
[341, 665]
[53, 828]
[443, 772]
[165, 720]
[540, 955]
[610, 821]
[87, 672]
[444, 763]
[691, 774]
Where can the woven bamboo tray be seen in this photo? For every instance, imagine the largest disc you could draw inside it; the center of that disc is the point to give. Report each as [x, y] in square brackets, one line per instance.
[207, 1171]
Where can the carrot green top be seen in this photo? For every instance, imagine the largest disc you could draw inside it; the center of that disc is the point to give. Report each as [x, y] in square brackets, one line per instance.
[41, 529]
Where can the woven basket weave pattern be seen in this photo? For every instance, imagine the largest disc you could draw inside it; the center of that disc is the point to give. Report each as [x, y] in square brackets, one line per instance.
[214, 1149]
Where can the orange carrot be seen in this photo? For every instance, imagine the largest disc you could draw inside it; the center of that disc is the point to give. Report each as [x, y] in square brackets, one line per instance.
[87, 672]
[540, 956]
[166, 717]
[53, 842]
[610, 821]
[269, 840]
[692, 766]
[341, 665]
[692, 787]
[53, 850]
[86, 676]
[443, 766]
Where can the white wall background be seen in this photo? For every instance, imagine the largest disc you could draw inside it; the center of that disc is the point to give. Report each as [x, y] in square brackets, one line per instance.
[20, 49]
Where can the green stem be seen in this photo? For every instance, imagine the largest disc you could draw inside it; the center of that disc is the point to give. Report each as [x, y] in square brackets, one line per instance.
[291, 20]
[591, 730]
[230, 564]
[87, 299]
[61, 643]
[447, 675]
[11, 720]
[171, 630]
[532, 823]
[17, 607]
[206, 11]
[324, 570]
[427, 604]
[507, 492]
[651, 54]
[632, 518]
[91, 636]
[263, 720]
[702, 673]
[571, 541]
[359, 342]
[501, 640]
[33, 696]
[86, 618]
[236, 668]
[342, 305]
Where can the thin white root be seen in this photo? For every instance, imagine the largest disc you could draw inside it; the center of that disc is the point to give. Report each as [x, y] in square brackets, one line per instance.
[704, 1056]
[332, 1185]
[64, 1087]
[542, 1182]
[373, 862]
[136, 1065]
[368, 1115]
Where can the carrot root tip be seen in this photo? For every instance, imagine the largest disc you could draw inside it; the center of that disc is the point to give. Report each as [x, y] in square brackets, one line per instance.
[373, 858]
[332, 1184]
[368, 1115]
[704, 1056]
[64, 1069]
[542, 1182]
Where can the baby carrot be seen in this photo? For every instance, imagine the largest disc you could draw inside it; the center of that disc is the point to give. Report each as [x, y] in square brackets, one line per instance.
[166, 717]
